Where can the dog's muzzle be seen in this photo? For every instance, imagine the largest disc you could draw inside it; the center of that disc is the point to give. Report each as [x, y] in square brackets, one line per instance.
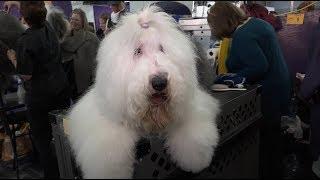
[159, 84]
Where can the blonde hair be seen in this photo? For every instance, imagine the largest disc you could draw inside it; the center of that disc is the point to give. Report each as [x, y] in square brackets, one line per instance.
[83, 16]
[224, 18]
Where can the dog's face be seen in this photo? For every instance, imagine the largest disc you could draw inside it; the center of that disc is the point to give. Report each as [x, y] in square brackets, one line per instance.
[147, 69]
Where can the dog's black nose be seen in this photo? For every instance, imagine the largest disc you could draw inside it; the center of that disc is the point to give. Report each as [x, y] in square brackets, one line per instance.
[159, 82]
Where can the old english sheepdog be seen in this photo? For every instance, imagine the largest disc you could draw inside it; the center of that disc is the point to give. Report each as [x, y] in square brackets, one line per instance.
[146, 82]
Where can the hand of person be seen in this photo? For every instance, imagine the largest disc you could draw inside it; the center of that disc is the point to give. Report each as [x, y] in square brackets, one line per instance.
[12, 56]
[300, 76]
[9, 4]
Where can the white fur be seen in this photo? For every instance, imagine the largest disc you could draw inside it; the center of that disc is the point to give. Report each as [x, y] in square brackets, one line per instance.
[107, 122]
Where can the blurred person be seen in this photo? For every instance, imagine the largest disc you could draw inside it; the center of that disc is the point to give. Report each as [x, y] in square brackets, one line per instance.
[305, 4]
[255, 54]
[10, 31]
[38, 61]
[261, 12]
[103, 21]
[118, 10]
[79, 51]
[8, 5]
[55, 17]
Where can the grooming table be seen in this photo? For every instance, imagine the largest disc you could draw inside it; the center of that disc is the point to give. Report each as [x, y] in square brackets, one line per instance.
[237, 155]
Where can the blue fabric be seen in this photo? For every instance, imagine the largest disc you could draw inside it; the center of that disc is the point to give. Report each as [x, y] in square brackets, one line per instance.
[255, 54]
[230, 79]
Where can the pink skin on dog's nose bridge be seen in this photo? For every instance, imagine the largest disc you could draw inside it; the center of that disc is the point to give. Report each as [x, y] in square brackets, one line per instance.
[152, 61]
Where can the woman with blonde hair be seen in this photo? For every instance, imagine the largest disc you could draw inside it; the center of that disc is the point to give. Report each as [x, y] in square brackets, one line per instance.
[79, 51]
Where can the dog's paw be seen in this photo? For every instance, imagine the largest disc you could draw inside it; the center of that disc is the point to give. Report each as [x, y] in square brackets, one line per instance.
[190, 155]
[192, 149]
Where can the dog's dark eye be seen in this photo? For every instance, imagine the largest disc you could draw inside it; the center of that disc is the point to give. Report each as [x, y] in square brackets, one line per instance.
[161, 49]
[138, 51]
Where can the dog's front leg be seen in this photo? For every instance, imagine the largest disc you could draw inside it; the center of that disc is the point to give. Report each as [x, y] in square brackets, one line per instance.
[191, 144]
[108, 153]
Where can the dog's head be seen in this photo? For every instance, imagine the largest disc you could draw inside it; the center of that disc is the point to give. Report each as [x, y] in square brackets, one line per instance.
[146, 68]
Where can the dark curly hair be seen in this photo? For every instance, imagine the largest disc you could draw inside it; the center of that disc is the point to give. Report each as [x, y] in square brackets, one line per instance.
[33, 12]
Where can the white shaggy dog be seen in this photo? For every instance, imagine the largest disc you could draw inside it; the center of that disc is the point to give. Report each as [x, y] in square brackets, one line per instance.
[146, 82]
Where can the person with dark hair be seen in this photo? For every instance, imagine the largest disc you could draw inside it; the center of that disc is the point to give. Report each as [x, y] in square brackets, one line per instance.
[261, 12]
[255, 54]
[55, 17]
[9, 34]
[118, 10]
[38, 61]
[103, 21]
[79, 51]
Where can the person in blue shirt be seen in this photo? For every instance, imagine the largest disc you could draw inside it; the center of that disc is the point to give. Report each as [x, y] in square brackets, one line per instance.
[255, 54]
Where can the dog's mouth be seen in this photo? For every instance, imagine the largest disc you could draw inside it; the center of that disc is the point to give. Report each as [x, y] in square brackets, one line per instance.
[158, 98]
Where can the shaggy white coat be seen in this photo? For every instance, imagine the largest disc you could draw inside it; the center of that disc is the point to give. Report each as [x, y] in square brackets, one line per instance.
[107, 122]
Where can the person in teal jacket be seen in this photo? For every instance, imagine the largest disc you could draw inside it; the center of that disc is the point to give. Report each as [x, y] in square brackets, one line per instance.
[255, 54]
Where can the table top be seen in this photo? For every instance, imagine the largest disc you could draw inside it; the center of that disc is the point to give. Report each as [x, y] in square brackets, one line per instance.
[228, 96]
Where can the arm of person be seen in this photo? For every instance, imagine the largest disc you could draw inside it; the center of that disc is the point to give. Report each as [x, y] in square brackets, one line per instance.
[251, 57]
[24, 63]
[12, 57]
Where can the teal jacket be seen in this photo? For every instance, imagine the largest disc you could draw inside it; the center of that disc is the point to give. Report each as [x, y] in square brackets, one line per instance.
[256, 55]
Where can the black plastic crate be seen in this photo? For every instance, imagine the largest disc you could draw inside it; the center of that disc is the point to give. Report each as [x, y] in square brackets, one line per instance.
[236, 156]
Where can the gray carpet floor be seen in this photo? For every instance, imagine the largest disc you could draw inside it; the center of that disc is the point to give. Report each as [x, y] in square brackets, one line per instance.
[28, 169]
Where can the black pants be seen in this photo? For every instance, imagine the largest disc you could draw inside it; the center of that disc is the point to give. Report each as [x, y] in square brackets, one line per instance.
[70, 72]
[38, 109]
[271, 147]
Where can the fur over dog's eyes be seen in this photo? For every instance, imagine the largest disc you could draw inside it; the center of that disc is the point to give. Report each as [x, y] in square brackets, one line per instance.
[138, 51]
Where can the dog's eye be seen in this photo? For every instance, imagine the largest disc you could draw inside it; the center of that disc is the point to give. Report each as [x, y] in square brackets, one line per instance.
[161, 49]
[138, 51]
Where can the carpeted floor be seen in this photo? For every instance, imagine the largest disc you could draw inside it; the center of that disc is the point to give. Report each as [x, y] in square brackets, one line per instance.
[28, 169]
